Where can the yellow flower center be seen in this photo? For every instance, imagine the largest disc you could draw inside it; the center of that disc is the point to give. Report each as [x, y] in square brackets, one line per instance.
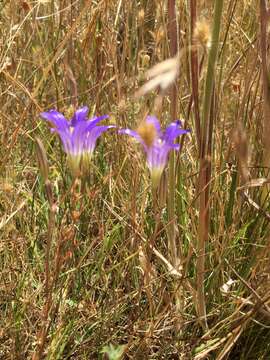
[147, 132]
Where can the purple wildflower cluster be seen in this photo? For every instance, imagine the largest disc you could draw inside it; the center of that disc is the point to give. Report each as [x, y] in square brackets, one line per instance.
[79, 136]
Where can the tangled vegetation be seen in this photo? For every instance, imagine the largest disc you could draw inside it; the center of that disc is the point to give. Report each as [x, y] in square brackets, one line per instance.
[149, 246]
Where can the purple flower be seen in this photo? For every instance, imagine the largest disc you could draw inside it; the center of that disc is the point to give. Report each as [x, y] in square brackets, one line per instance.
[78, 136]
[156, 143]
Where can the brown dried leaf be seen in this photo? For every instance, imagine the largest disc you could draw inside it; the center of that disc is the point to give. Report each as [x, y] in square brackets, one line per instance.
[255, 183]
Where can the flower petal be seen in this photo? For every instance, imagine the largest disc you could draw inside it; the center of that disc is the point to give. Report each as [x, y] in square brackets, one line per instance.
[65, 137]
[157, 156]
[79, 115]
[92, 136]
[95, 120]
[172, 131]
[78, 137]
[56, 119]
[175, 146]
[132, 133]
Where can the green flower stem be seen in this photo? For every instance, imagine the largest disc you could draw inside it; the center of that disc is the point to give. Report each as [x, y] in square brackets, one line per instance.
[205, 163]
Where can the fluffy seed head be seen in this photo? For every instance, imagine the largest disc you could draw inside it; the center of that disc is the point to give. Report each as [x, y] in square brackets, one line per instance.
[202, 33]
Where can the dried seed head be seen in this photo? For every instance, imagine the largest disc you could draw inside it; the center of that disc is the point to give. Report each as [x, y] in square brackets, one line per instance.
[147, 132]
[25, 6]
[49, 193]
[145, 60]
[161, 75]
[141, 16]
[75, 215]
[7, 64]
[6, 187]
[143, 260]
[241, 147]
[42, 159]
[160, 34]
[67, 233]
[70, 111]
[202, 33]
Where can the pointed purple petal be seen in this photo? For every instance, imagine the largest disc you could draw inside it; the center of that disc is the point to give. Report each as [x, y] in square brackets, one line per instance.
[55, 118]
[175, 146]
[79, 115]
[92, 136]
[95, 120]
[173, 131]
[132, 133]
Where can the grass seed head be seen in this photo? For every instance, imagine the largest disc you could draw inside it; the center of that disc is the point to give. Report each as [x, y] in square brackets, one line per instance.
[141, 15]
[202, 33]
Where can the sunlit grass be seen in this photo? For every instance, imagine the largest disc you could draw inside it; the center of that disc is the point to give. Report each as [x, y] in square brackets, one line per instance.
[114, 284]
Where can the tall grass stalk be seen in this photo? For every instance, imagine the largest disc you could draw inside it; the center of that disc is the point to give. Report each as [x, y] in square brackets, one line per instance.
[173, 98]
[195, 73]
[174, 247]
[205, 162]
[48, 285]
[264, 18]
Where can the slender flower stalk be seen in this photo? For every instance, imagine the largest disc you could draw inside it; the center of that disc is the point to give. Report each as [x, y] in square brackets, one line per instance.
[78, 136]
[156, 144]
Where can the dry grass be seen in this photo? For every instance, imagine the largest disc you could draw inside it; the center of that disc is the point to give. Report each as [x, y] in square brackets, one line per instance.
[88, 267]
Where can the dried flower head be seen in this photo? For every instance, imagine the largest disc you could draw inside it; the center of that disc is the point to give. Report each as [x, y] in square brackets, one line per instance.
[202, 33]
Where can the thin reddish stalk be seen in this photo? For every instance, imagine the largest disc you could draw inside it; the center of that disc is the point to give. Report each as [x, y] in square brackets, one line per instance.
[195, 72]
[42, 336]
[266, 93]
[175, 249]
[172, 32]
